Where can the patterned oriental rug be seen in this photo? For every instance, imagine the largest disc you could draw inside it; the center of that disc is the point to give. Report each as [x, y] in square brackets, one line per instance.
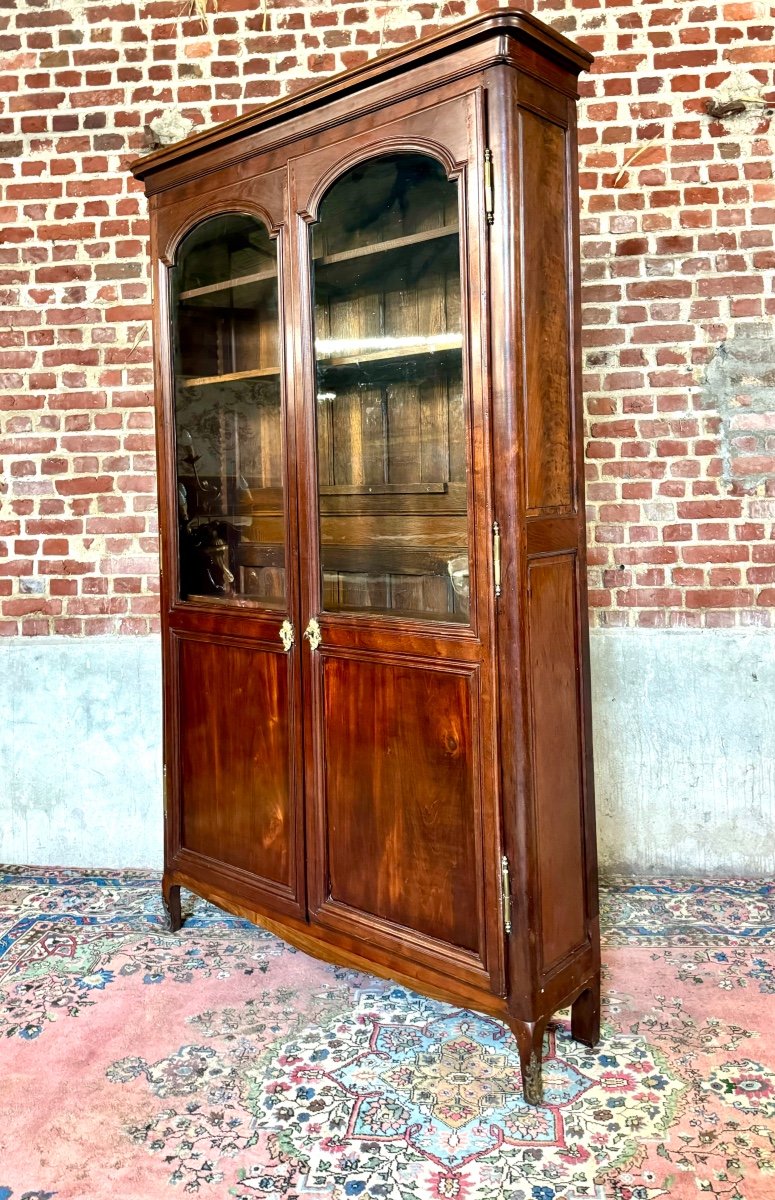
[219, 1062]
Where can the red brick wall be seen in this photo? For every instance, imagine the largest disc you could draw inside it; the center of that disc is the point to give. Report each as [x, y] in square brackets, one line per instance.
[678, 210]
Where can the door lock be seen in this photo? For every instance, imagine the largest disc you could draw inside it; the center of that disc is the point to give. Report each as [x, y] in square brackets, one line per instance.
[313, 635]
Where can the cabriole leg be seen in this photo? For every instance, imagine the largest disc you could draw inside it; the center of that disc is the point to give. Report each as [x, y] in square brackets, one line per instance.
[170, 894]
[585, 1014]
[530, 1040]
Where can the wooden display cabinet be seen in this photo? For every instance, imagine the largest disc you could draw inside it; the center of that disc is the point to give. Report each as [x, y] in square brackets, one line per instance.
[377, 733]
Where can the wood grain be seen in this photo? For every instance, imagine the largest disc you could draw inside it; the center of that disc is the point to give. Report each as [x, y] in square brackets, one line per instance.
[548, 422]
[400, 796]
[556, 754]
[235, 775]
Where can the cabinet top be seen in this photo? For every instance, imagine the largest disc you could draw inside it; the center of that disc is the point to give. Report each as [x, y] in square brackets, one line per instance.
[509, 22]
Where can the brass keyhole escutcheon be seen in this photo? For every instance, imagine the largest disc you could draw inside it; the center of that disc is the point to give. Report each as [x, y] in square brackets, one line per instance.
[287, 635]
[313, 635]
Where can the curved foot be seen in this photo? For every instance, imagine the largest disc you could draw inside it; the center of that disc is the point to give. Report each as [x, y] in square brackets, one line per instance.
[533, 1080]
[170, 895]
[585, 1014]
[530, 1039]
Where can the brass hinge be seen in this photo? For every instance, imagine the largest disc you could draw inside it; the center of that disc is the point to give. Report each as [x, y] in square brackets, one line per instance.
[489, 203]
[496, 557]
[506, 893]
[164, 789]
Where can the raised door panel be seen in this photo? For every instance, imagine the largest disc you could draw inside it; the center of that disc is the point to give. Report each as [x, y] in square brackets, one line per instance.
[235, 780]
[401, 784]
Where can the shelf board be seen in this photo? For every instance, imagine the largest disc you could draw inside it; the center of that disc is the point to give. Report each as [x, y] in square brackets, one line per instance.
[324, 260]
[412, 239]
[444, 343]
[388, 560]
[382, 489]
[234, 376]
[224, 285]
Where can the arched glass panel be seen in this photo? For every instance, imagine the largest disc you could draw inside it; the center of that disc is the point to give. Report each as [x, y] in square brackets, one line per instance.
[228, 413]
[391, 418]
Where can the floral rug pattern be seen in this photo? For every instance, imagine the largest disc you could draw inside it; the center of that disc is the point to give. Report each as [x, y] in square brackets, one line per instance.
[219, 1062]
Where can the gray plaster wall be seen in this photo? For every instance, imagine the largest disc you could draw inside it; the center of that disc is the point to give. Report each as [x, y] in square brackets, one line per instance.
[80, 752]
[684, 751]
[684, 739]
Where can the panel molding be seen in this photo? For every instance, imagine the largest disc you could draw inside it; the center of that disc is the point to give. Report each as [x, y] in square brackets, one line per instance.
[335, 910]
[547, 326]
[218, 797]
[556, 756]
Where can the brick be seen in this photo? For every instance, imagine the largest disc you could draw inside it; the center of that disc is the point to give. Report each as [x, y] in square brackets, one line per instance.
[677, 253]
[716, 554]
[718, 598]
[85, 485]
[711, 509]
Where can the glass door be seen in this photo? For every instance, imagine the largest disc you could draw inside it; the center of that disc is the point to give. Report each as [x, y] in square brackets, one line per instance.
[391, 425]
[228, 414]
[398, 669]
[233, 658]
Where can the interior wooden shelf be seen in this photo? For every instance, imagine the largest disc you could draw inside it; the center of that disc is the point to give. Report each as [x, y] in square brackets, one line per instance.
[411, 239]
[382, 489]
[224, 285]
[234, 376]
[391, 560]
[324, 260]
[422, 349]
[445, 342]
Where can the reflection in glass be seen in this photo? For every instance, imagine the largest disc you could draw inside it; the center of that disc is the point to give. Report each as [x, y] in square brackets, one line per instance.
[391, 424]
[228, 413]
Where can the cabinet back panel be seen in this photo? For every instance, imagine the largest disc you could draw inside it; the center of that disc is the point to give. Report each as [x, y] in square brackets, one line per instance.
[235, 756]
[401, 796]
[545, 281]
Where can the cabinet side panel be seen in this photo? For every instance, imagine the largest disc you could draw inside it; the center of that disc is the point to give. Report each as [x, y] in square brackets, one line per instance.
[545, 268]
[556, 753]
[235, 756]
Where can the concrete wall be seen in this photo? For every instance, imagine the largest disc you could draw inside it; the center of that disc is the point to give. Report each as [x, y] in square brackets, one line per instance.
[684, 751]
[80, 751]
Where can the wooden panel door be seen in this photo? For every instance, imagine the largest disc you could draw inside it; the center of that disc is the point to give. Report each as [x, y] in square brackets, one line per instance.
[397, 594]
[231, 671]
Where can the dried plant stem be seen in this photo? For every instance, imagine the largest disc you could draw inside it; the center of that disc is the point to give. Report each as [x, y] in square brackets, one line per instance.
[198, 8]
[141, 333]
[636, 154]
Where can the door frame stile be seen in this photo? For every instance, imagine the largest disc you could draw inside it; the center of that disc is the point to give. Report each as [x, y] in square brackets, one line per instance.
[308, 551]
[485, 514]
[293, 581]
